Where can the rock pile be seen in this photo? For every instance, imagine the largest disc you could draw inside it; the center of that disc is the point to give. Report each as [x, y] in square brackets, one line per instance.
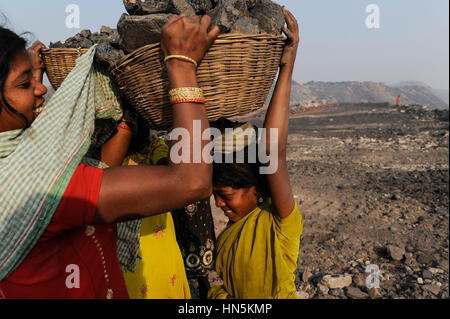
[142, 25]
[107, 40]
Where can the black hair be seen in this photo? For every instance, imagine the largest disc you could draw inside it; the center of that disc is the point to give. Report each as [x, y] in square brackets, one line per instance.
[141, 130]
[10, 45]
[238, 175]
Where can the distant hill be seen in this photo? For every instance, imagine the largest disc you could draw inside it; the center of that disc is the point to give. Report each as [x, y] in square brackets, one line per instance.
[442, 94]
[313, 94]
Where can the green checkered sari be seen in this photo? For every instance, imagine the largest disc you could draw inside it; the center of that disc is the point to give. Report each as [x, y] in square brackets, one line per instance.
[36, 167]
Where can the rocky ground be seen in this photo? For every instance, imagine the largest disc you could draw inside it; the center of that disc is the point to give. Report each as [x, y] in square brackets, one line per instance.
[372, 184]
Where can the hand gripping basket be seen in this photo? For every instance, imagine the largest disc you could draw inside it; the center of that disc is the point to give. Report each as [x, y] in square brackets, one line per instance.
[59, 63]
[236, 75]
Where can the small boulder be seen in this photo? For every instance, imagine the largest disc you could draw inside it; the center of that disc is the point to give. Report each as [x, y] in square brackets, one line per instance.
[132, 6]
[302, 295]
[426, 274]
[356, 293]
[337, 292]
[269, 15]
[245, 25]
[334, 282]
[359, 280]
[396, 253]
[434, 289]
[425, 259]
[105, 53]
[186, 7]
[435, 271]
[85, 33]
[183, 7]
[156, 6]
[138, 31]
[227, 13]
[306, 276]
[201, 7]
[106, 30]
[375, 293]
[56, 45]
[78, 42]
[323, 289]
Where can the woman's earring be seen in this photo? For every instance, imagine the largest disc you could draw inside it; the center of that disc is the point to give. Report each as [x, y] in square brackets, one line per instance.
[260, 199]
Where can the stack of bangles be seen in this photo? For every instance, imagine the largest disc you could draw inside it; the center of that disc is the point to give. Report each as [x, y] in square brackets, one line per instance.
[185, 94]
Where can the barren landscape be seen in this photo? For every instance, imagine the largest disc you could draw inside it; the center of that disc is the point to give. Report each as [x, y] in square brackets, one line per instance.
[372, 184]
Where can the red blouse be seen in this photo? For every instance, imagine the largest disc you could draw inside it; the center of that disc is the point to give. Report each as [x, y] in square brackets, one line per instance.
[71, 259]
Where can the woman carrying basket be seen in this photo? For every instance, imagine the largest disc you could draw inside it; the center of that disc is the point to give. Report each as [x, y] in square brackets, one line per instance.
[256, 254]
[58, 217]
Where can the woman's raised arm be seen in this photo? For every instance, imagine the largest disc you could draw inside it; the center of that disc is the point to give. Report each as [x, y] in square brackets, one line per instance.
[139, 191]
[278, 117]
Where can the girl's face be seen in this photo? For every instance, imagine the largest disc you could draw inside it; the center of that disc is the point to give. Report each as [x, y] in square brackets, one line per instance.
[22, 92]
[236, 203]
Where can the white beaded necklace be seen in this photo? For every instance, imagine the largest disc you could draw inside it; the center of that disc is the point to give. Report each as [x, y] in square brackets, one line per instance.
[90, 230]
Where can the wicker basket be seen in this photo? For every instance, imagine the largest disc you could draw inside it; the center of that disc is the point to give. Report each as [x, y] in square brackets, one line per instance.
[235, 75]
[59, 63]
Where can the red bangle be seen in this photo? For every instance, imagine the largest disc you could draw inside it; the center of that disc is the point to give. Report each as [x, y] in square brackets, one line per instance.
[201, 101]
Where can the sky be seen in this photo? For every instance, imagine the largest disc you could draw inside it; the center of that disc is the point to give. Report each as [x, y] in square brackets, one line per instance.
[411, 43]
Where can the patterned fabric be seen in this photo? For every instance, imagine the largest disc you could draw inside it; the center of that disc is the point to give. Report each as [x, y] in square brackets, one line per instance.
[159, 272]
[159, 150]
[195, 234]
[127, 232]
[105, 128]
[237, 139]
[109, 92]
[150, 154]
[128, 244]
[36, 167]
[194, 224]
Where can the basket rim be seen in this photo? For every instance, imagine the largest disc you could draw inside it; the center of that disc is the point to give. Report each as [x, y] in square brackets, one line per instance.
[63, 50]
[221, 38]
[148, 59]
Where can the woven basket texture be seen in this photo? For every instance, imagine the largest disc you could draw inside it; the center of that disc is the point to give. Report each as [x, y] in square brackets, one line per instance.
[59, 63]
[236, 76]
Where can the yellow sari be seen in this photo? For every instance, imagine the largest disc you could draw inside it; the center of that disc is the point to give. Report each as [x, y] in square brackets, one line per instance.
[160, 272]
[257, 256]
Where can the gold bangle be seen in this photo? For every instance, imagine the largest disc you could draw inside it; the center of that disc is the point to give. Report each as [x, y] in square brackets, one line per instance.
[181, 57]
[186, 94]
